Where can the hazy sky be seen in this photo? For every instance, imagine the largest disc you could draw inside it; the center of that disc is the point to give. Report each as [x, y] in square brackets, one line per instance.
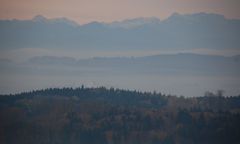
[84, 11]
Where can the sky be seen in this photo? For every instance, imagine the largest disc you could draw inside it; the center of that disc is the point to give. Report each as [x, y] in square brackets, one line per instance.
[84, 11]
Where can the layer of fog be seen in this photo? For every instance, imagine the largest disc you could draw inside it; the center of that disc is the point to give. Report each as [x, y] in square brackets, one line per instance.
[179, 74]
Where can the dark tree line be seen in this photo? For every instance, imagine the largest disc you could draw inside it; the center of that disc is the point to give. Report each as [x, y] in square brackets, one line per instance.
[114, 116]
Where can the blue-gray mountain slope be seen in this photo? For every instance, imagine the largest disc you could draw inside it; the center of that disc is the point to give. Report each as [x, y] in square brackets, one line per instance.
[199, 30]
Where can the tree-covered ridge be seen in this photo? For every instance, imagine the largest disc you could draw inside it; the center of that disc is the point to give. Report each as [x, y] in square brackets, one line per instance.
[114, 116]
[116, 97]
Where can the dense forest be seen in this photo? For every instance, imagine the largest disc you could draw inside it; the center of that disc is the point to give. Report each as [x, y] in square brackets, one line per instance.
[114, 116]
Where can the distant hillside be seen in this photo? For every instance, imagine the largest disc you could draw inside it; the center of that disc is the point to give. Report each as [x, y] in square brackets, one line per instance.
[184, 74]
[201, 30]
[183, 63]
[115, 116]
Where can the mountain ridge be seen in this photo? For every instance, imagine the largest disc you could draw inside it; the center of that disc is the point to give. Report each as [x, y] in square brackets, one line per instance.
[40, 17]
[189, 31]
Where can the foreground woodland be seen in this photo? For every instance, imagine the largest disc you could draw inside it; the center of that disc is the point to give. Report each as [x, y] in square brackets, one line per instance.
[114, 116]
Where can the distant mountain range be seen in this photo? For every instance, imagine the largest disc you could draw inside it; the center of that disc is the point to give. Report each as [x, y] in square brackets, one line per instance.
[200, 30]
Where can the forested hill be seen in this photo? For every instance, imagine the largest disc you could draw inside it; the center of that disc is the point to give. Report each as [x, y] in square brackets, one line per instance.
[114, 116]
